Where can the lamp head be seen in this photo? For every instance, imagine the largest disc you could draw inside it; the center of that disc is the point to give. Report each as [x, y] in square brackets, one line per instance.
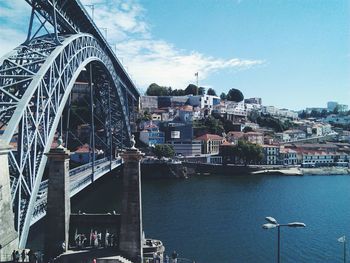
[269, 226]
[296, 224]
[271, 220]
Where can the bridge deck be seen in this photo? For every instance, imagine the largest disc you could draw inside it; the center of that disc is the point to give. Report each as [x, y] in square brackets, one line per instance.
[80, 178]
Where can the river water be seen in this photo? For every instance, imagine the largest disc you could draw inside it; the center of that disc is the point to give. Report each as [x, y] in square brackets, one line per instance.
[218, 218]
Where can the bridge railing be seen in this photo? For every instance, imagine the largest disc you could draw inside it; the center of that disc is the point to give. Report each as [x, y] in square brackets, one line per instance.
[77, 184]
[86, 166]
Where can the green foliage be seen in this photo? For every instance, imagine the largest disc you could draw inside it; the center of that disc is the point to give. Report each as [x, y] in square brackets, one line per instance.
[226, 124]
[191, 89]
[223, 96]
[207, 125]
[211, 92]
[253, 116]
[235, 95]
[201, 91]
[178, 92]
[314, 114]
[247, 129]
[276, 124]
[164, 150]
[336, 110]
[156, 90]
[244, 151]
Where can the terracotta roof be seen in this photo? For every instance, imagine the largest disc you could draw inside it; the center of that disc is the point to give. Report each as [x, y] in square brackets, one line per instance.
[207, 137]
[235, 133]
[254, 133]
[186, 108]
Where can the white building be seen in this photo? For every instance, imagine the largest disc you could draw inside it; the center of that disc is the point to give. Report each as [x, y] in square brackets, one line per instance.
[273, 111]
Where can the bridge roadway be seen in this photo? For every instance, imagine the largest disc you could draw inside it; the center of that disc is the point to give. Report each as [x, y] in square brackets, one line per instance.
[80, 178]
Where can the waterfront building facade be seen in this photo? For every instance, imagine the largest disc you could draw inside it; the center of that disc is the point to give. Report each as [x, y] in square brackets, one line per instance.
[210, 143]
[288, 156]
[271, 154]
[187, 148]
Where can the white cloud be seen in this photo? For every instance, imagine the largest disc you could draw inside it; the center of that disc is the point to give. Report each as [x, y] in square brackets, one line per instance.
[146, 59]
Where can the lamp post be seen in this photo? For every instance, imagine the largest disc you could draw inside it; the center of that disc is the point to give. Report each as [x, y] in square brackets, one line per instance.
[272, 223]
[343, 240]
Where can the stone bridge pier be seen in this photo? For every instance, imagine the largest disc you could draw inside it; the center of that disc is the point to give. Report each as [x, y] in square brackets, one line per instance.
[8, 234]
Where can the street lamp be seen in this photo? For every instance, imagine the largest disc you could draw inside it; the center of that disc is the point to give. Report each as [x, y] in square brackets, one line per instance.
[343, 240]
[272, 223]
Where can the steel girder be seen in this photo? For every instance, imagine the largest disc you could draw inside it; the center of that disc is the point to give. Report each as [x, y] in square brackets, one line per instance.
[35, 82]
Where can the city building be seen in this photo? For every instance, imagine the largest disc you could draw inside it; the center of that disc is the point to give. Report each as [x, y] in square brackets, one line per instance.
[234, 136]
[152, 137]
[149, 103]
[187, 148]
[254, 137]
[336, 119]
[331, 105]
[316, 109]
[185, 113]
[295, 135]
[271, 154]
[83, 155]
[210, 143]
[235, 111]
[253, 101]
[288, 156]
[177, 131]
[273, 111]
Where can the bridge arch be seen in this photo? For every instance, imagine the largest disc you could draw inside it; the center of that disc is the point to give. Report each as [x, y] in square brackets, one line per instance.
[36, 80]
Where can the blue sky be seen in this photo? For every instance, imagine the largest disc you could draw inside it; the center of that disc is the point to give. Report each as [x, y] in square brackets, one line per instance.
[292, 53]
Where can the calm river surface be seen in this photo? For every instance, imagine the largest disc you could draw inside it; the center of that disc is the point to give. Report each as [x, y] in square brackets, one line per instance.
[219, 218]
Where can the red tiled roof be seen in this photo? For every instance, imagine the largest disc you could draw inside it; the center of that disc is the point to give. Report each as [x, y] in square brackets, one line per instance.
[235, 134]
[254, 133]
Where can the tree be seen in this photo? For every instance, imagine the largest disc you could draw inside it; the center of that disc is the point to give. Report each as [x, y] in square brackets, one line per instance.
[244, 151]
[156, 90]
[164, 150]
[273, 123]
[235, 95]
[178, 92]
[201, 91]
[211, 92]
[336, 110]
[208, 125]
[324, 113]
[191, 89]
[303, 115]
[223, 96]
[247, 129]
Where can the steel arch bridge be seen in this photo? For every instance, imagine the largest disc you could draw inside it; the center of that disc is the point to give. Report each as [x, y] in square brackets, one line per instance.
[36, 83]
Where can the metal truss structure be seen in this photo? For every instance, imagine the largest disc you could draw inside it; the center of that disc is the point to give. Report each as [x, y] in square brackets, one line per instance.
[36, 80]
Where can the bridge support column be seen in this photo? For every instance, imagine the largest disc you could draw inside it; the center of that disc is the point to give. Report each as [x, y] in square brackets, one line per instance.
[130, 244]
[8, 234]
[58, 203]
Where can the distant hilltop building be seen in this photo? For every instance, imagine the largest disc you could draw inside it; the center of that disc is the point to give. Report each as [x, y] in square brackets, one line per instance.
[253, 101]
[332, 105]
[273, 111]
[319, 110]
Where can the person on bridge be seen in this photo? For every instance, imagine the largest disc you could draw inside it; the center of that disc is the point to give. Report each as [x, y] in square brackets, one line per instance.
[23, 255]
[174, 257]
